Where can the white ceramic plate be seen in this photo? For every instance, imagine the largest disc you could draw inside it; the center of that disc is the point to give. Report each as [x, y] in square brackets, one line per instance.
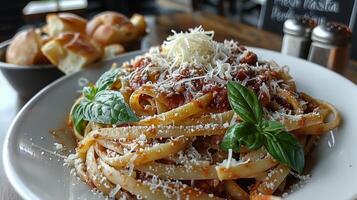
[37, 173]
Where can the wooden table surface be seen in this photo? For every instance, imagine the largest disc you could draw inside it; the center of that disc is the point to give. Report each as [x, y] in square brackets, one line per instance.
[160, 27]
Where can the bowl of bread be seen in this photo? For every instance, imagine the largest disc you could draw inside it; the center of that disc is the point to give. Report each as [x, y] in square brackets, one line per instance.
[34, 57]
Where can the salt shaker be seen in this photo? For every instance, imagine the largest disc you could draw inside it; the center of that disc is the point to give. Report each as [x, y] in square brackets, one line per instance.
[330, 45]
[296, 41]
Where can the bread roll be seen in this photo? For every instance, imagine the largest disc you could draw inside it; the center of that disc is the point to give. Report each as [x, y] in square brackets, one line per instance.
[71, 51]
[43, 36]
[64, 22]
[25, 49]
[112, 51]
[111, 28]
[139, 23]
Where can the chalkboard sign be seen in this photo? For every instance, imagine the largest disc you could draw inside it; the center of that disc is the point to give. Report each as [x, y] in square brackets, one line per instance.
[277, 11]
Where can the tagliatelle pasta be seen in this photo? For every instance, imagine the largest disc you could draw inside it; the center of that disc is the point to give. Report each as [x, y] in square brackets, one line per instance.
[163, 136]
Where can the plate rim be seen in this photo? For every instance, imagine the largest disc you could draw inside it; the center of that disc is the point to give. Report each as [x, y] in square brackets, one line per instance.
[10, 172]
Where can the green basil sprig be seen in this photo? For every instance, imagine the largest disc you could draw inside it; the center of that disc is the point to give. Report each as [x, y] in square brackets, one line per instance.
[105, 82]
[102, 105]
[89, 92]
[255, 132]
[77, 118]
[245, 103]
[107, 79]
[107, 107]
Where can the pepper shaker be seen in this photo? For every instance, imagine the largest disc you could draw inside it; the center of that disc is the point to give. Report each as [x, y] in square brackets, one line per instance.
[296, 40]
[330, 46]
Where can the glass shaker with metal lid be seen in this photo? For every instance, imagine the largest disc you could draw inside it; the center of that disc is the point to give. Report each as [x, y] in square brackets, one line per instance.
[330, 45]
[296, 41]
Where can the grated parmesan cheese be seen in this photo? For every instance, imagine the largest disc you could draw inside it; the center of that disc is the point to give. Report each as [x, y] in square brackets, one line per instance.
[229, 159]
[195, 46]
[58, 146]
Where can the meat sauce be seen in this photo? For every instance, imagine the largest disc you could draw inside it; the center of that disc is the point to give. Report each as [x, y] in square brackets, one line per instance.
[179, 95]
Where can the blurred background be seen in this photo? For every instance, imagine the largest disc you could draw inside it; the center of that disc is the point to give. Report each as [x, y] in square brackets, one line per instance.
[265, 14]
[18, 13]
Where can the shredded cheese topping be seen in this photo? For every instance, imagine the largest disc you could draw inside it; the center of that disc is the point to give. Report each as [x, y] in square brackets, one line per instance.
[194, 46]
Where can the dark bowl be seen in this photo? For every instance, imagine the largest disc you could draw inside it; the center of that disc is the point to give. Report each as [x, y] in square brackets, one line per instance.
[27, 80]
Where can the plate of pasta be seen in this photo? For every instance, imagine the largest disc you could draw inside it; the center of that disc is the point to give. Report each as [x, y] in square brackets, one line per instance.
[191, 119]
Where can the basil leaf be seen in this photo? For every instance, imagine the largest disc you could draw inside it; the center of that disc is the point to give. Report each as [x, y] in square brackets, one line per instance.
[107, 79]
[89, 92]
[272, 126]
[254, 132]
[105, 82]
[77, 119]
[254, 141]
[285, 148]
[244, 102]
[230, 140]
[245, 134]
[108, 107]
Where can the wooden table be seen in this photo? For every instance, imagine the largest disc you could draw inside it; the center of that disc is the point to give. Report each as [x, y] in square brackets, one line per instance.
[160, 27]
